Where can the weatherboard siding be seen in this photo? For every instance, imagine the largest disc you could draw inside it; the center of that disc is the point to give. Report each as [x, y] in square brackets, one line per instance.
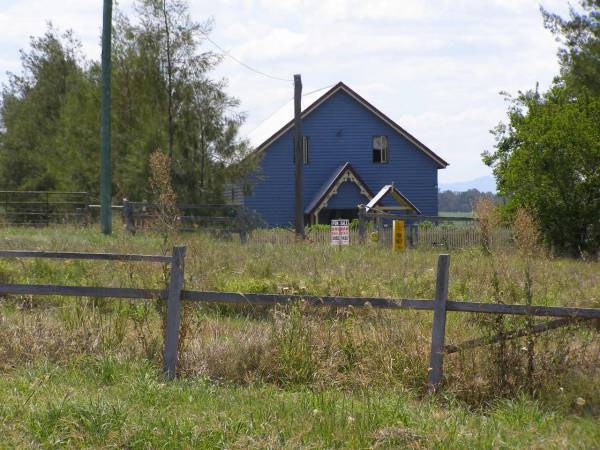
[341, 129]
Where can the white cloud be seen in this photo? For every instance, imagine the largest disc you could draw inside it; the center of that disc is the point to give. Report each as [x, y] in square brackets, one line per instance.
[438, 70]
[436, 66]
[273, 45]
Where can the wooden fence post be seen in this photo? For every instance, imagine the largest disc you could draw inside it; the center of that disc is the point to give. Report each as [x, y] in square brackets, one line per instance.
[438, 332]
[242, 224]
[173, 312]
[87, 209]
[362, 226]
[128, 216]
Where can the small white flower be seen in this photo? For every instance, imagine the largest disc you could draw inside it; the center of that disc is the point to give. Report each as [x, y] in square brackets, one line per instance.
[580, 401]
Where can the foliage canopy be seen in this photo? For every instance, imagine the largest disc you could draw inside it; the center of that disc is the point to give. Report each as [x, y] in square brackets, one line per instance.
[547, 157]
[163, 97]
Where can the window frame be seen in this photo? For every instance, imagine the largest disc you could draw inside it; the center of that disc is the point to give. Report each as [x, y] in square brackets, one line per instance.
[305, 151]
[383, 151]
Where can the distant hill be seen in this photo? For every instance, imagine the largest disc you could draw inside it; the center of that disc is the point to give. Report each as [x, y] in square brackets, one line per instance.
[451, 201]
[482, 184]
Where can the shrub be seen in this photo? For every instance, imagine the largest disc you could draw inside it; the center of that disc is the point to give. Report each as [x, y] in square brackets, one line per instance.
[318, 227]
[488, 221]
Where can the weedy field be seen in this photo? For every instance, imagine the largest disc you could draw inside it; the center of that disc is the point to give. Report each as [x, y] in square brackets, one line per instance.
[81, 372]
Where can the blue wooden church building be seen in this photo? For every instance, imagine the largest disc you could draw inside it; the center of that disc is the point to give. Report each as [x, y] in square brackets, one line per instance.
[351, 150]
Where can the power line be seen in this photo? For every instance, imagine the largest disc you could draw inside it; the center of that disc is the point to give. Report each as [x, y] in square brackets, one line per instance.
[317, 90]
[282, 106]
[242, 62]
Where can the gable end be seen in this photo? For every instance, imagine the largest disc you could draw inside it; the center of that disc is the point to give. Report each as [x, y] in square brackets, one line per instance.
[342, 87]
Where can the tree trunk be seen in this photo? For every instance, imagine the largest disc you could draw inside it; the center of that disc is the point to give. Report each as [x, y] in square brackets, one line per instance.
[202, 157]
[169, 82]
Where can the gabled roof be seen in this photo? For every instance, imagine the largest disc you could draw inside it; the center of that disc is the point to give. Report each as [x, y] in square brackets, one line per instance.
[332, 183]
[396, 194]
[278, 124]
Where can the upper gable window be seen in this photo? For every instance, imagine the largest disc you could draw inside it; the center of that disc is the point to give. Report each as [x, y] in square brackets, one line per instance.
[305, 150]
[380, 149]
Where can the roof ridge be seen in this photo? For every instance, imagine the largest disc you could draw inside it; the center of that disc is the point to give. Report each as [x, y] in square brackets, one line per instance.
[357, 97]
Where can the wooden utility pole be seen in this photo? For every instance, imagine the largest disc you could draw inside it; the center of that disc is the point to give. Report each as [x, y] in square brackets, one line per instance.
[105, 150]
[298, 151]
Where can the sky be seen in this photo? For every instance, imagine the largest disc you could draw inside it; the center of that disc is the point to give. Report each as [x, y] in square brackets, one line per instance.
[436, 67]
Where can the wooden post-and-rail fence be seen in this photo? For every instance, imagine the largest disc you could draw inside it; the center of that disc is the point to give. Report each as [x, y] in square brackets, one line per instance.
[175, 294]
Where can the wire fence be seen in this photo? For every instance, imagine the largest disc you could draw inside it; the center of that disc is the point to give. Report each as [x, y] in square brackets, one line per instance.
[225, 221]
[460, 237]
[41, 208]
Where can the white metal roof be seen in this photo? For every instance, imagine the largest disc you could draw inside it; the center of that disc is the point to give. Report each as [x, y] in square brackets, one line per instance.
[396, 195]
[280, 118]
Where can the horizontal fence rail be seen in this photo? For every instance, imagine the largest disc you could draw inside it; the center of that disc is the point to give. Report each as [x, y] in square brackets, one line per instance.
[175, 294]
[283, 299]
[385, 303]
[81, 291]
[78, 255]
[223, 220]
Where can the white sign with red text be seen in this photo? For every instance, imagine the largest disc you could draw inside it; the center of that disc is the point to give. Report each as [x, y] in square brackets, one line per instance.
[340, 232]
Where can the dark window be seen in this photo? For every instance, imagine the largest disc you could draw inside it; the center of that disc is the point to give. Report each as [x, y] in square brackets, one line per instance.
[380, 149]
[305, 150]
[326, 215]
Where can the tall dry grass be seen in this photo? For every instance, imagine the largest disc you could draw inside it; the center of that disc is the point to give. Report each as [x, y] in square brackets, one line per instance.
[352, 349]
[488, 221]
[163, 196]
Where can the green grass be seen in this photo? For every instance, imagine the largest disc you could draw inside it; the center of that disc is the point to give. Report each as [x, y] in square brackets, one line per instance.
[111, 404]
[468, 215]
[85, 373]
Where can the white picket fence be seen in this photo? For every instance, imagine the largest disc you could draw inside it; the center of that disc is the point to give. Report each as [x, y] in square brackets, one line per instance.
[442, 237]
[460, 237]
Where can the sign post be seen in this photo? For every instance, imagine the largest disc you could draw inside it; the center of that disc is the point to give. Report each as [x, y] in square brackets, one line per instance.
[398, 243]
[340, 232]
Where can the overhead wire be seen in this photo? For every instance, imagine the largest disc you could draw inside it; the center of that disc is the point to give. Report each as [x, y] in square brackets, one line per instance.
[260, 72]
[242, 63]
[317, 90]
[279, 109]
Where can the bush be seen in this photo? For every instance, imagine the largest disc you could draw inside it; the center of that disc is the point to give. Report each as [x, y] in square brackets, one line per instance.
[318, 227]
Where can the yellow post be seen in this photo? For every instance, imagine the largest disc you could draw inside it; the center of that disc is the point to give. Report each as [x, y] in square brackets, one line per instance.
[398, 235]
